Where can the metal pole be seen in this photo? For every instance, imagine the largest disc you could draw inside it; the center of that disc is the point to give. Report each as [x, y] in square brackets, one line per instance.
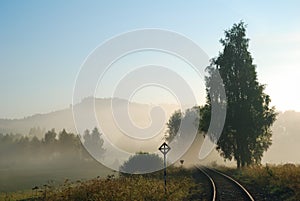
[164, 149]
[165, 174]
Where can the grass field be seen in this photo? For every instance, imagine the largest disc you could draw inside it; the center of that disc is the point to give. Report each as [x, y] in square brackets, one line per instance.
[273, 182]
[25, 177]
[180, 186]
[277, 182]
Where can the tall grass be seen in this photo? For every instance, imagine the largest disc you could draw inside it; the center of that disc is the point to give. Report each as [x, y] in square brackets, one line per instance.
[180, 186]
[280, 181]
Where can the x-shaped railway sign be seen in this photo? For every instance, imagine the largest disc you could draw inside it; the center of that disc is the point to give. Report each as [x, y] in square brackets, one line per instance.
[164, 148]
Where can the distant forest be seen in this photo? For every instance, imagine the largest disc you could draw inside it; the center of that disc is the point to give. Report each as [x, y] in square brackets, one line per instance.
[53, 148]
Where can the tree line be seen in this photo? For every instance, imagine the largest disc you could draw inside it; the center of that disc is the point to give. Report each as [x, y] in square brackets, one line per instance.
[53, 147]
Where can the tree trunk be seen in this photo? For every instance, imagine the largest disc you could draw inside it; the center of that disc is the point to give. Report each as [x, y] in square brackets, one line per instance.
[238, 163]
[243, 164]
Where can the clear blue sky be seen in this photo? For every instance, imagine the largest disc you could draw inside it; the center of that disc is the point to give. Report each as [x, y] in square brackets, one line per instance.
[43, 43]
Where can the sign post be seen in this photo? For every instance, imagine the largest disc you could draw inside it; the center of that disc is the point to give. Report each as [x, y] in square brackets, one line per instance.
[164, 149]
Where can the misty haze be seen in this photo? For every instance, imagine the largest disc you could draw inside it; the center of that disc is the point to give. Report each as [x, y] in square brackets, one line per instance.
[176, 101]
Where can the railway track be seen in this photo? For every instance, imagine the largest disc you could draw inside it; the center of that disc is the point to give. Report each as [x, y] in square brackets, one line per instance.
[224, 187]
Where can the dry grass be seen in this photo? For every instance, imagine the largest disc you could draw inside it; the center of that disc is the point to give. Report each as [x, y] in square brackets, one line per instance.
[180, 186]
[281, 181]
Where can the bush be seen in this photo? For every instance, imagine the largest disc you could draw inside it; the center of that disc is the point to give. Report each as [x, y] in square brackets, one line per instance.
[142, 162]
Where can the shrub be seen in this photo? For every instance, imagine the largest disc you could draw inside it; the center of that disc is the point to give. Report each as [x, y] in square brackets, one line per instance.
[142, 162]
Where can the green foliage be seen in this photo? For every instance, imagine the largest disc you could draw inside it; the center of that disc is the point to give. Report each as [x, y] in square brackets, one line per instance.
[174, 125]
[246, 134]
[184, 123]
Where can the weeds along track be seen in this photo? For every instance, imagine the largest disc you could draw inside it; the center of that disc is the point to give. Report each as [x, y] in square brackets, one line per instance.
[224, 187]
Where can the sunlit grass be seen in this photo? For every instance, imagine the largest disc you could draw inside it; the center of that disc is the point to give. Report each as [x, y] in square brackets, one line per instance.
[281, 181]
[180, 186]
[16, 195]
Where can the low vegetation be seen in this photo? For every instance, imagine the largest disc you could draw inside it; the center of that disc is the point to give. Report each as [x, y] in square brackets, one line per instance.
[277, 182]
[180, 186]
